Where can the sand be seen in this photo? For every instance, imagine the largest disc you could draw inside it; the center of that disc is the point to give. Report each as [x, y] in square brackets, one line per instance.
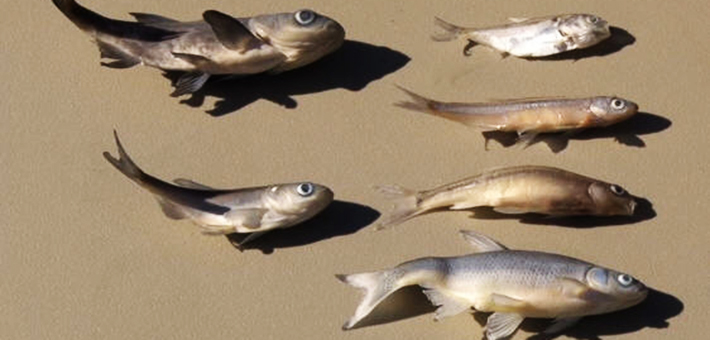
[86, 254]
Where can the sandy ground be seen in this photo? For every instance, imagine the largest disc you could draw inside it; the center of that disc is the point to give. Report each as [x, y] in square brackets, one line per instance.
[88, 255]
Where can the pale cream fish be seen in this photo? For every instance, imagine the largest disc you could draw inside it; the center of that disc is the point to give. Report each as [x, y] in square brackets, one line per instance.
[530, 116]
[254, 210]
[511, 284]
[219, 45]
[537, 37]
[515, 190]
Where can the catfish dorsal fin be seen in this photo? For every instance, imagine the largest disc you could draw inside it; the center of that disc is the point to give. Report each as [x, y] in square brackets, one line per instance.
[230, 31]
[481, 243]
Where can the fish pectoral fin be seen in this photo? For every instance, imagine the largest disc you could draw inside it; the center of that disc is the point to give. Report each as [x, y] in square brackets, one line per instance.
[190, 184]
[190, 83]
[560, 324]
[251, 237]
[575, 288]
[502, 325]
[507, 303]
[510, 210]
[217, 229]
[171, 209]
[517, 20]
[481, 243]
[448, 306]
[121, 58]
[230, 31]
[150, 19]
[562, 46]
[248, 218]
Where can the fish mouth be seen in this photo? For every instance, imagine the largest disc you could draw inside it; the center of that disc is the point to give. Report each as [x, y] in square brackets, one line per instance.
[631, 208]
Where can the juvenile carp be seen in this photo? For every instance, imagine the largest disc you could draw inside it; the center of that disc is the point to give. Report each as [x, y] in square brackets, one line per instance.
[515, 190]
[512, 284]
[220, 44]
[219, 211]
[529, 117]
[536, 37]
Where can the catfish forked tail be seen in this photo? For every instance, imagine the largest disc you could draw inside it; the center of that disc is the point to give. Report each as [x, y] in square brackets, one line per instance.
[406, 205]
[451, 31]
[376, 285]
[124, 164]
[418, 103]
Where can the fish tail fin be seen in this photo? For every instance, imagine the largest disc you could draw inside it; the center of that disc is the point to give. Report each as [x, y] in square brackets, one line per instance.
[124, 164]
[84, 18]
[406, 204]
[451, 31]
[376, 285]
[418, 102]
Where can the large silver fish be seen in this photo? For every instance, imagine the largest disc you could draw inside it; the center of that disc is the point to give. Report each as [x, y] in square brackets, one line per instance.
[225, 211]
[515, 190]
[537, 37]
[529, 117]
[220, 44]
[512, 284]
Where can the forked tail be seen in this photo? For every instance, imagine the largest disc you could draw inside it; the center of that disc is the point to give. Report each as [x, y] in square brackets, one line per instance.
[418, 103]
[124, 164]
[451, 31]
[406, 204]
[376, 286]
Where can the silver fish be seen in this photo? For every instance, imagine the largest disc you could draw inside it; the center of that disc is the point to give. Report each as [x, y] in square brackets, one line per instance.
[531, 116]
[219, 45]
[537, 37]
[225, 211]
[515, 190]
[512, 284]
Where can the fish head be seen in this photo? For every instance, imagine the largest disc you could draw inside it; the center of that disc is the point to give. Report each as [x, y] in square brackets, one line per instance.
[611, 199]
[611, 110]
[584, 29]
[297, 202]
[303, 36]
[611, 290]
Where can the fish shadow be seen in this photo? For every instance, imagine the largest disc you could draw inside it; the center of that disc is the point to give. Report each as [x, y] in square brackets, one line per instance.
[407, 302]
[627, 133]
[644, 211]
[653, 312]
[352, 67]
[619, 39]
[340, 218]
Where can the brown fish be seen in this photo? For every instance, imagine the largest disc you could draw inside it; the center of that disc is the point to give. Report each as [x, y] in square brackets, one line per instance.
[515, 190]
[529, 117]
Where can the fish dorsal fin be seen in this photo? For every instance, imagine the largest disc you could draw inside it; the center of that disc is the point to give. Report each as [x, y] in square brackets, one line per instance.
[230, 31]
[151, 19]
[524, 99]
[190, 184]
[501, 325]
[481, 243]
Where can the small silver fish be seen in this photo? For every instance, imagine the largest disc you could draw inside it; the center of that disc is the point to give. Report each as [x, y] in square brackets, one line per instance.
[536, 37]
[515, 190]
[220, 44]
[225, 211]
[531, 116]
[512, 284]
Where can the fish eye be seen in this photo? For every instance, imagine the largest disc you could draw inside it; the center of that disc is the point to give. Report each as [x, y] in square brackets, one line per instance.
[304, 17]
[593, 19]
[305, 189]
[617, 190]
[617, 104]
[625, 279]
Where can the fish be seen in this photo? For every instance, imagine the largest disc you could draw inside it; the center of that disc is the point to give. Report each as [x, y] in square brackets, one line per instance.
[252, 211]
[532, 38]
[217, 45]
[528, 117]
[514, 190]
[511, 284]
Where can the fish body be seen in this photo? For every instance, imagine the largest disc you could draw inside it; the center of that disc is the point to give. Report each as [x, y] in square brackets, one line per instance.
[529, 117]
[516, 190]
[537, 37]
[511, 284]
[217, 211]
[218, 45]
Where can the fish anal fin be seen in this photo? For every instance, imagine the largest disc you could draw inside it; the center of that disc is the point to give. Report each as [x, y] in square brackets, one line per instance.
[190, 184]
[172, 210]
[147, 18]
[121, 59]
[190, 83]
[502, 325]
[230, 31]
[448, 306]
[481, 243]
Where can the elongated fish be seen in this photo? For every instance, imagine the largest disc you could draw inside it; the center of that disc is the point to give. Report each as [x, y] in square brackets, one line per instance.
[515, 190]
[219, 45]
[219, 211]
[512, 284]
[537, 37]
[529, 117]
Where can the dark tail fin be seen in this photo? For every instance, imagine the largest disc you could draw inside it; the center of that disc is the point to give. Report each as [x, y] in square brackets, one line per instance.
[124, 164]
[84, 18]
